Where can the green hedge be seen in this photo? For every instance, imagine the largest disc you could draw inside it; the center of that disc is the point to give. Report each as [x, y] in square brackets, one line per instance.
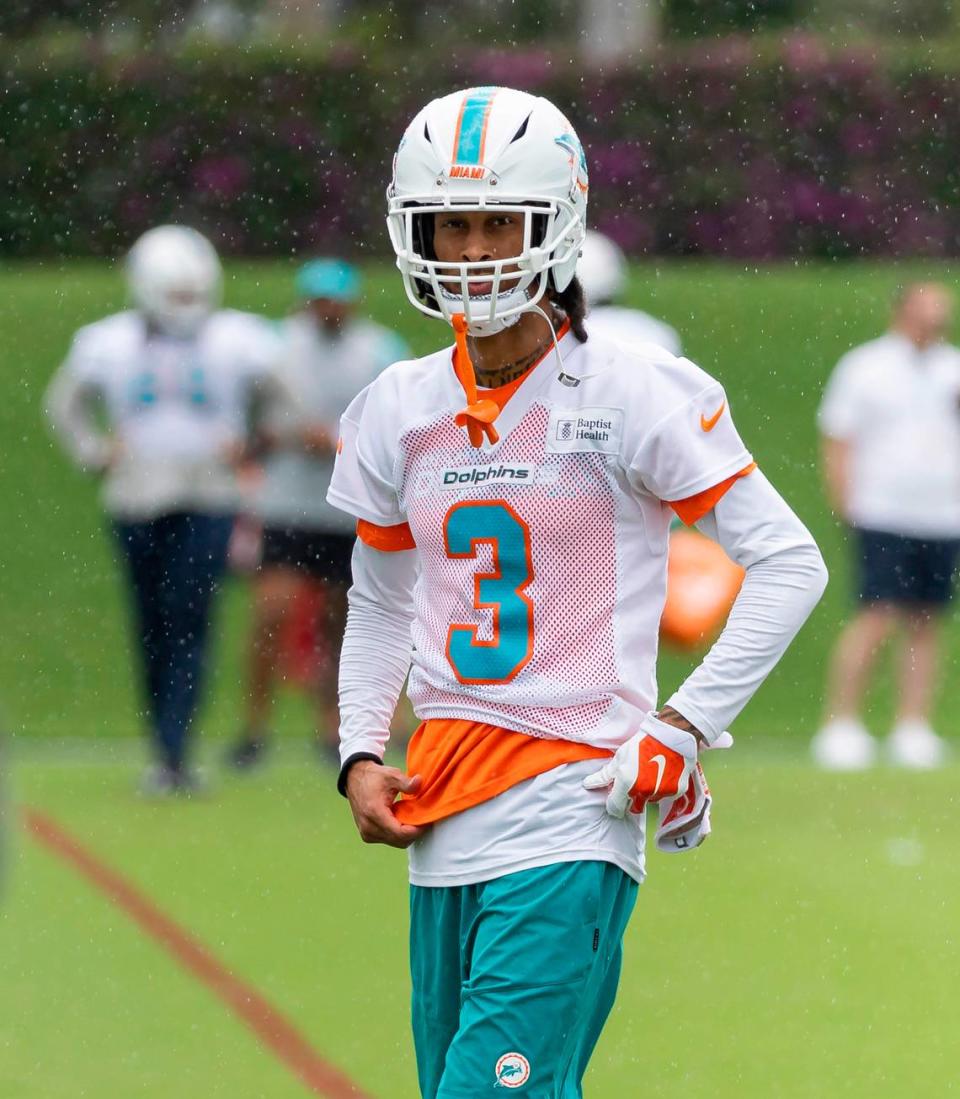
[712, 150]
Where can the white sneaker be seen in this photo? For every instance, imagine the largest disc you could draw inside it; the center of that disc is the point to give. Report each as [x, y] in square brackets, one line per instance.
[915, 745]
[844, 745]
[157, 782]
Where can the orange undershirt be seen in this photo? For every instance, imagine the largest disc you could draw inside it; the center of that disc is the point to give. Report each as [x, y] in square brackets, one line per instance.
[503, 393]
[463, 763]
[694, 508]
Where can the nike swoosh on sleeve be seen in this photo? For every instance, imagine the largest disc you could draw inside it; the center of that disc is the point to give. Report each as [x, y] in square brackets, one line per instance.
[709, 425]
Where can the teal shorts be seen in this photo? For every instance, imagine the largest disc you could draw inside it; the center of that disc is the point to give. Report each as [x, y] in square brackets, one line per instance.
[513, 979]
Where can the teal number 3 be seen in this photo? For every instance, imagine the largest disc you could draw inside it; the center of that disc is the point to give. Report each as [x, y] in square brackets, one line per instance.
[496, 524]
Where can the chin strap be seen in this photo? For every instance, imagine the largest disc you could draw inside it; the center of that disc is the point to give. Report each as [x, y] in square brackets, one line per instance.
[479, 415]
[553, 333]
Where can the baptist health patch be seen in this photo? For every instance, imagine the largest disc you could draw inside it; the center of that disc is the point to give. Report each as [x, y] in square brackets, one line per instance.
[585, 429]
[513, 1071]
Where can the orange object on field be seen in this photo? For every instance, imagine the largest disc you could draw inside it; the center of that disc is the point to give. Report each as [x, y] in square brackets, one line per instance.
[702, 583]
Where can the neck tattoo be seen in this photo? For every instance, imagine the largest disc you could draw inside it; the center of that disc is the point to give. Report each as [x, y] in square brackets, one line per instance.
[509, 372]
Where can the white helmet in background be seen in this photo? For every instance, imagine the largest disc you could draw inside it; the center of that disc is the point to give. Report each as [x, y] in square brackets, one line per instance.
[174, 277]
[602, 269]
[477, 149]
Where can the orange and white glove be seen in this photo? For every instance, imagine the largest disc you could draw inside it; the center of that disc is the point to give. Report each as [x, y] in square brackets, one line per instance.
[655, 763]
[685, 820]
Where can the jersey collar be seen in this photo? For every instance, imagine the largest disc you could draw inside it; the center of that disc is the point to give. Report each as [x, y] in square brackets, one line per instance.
[537, 378]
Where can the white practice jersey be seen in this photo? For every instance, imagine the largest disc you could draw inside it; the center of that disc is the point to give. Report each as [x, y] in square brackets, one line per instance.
[322, 373]
[166, 411]
[632, 327]
[543, 557]
[899, 409]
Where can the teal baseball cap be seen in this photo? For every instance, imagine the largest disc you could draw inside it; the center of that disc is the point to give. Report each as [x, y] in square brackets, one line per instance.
[328, 278]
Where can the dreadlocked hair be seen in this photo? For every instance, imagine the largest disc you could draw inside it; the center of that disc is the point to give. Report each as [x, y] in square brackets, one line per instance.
[573, 302]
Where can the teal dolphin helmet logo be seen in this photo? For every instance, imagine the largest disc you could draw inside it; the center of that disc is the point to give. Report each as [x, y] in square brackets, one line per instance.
[578, 159]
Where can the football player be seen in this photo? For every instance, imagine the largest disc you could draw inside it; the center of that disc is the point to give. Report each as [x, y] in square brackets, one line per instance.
[158, 401]
[514, 495]
[329, 355]
[602, 271]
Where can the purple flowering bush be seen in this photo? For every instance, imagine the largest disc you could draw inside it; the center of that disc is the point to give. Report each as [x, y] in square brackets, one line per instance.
[708, 149]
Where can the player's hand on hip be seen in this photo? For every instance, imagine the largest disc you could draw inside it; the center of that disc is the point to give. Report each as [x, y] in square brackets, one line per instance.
[371, 790]
[655, 763]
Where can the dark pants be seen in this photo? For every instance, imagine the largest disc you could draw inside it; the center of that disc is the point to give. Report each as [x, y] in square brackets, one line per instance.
[174, 565]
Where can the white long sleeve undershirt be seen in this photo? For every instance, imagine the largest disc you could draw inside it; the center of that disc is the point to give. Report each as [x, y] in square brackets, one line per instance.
[785, 577]
[70, 404]
[377, 648]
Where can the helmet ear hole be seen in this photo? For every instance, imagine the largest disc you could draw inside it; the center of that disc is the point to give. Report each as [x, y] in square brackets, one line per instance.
[423, 226]
[538, 234]
[422, 230]
[538, 229]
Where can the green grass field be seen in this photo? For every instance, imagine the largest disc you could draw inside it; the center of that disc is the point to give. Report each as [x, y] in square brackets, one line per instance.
[808, 950]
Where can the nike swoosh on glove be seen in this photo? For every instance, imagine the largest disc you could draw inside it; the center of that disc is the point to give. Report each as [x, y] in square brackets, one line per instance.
[684, 821]
[655, 763]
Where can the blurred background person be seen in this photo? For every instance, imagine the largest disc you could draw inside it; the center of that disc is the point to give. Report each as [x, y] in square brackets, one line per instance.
[159, 400]
[702, 581]
[330, 355]
[890, 422]
[603, 273]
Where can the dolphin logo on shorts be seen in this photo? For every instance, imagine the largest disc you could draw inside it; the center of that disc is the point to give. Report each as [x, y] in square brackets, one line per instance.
[513, 1070]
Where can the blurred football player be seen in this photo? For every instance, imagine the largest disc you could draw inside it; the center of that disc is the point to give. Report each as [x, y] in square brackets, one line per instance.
[890, 420]
[602, 271]
[329, 356]
[702, 582]
[513, 496]
[158, 400]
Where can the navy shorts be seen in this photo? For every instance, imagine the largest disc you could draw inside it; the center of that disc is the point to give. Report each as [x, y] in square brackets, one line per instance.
[896, 568]
[317, 554]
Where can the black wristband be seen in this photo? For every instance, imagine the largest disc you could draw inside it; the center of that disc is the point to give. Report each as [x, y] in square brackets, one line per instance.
[348, 763]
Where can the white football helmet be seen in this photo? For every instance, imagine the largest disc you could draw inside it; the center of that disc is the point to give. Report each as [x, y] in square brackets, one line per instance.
[602, 269]
[477, 149]
[174, 278]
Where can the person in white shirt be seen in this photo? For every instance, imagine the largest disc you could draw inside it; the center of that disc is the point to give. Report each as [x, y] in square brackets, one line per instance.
[329, 355]
[602, 271]
[158, 400]
[513, 495]
[890, 422]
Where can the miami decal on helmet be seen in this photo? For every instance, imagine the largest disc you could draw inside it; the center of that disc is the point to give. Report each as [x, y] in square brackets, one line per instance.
[471, 136]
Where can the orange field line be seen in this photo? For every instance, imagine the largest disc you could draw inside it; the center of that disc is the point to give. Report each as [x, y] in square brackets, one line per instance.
[266, 1021]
